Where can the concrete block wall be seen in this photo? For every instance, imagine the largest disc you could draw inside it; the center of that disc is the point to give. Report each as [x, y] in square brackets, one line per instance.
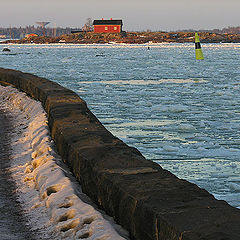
[148, 201]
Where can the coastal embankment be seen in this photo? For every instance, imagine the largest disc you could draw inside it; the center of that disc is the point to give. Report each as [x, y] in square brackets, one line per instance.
[148, 201]
[38, 192]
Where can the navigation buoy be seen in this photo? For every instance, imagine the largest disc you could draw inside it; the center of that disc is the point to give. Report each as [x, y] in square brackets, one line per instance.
[198, 50]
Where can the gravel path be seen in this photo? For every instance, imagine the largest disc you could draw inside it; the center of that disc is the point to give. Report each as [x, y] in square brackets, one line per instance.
[13, 224]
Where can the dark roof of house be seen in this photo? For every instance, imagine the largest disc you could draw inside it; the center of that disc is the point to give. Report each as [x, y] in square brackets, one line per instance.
[107, 22]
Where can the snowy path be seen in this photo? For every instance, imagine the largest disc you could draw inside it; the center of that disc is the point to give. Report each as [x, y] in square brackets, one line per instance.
[48, 194]
[13, 224]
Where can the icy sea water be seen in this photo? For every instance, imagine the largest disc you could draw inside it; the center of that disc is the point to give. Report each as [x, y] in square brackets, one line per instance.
[181, 113]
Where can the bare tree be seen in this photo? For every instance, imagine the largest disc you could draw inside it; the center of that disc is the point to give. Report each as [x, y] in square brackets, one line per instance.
[88, 26]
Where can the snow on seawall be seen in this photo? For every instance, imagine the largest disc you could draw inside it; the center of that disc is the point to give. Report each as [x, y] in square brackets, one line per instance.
[49, 194]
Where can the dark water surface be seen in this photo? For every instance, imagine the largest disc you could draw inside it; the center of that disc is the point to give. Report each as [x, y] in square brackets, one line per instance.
[13, 224]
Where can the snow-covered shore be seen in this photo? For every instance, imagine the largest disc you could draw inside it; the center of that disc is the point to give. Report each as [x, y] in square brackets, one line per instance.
[50, 196]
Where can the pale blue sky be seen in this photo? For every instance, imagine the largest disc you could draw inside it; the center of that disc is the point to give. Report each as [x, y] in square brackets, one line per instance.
[136, 14]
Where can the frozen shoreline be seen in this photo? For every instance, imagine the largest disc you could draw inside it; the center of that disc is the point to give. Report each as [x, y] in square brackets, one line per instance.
[50, 196]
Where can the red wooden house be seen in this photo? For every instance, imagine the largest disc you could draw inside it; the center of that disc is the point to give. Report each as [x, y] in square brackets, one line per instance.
[107, 26]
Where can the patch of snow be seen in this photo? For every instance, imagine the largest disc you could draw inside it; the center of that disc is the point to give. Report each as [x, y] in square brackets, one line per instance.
[186, 127]
[169, 148]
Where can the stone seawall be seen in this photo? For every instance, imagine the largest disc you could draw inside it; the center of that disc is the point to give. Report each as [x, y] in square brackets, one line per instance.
[148, 201]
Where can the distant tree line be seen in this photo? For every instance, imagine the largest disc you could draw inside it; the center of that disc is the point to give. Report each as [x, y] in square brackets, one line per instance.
[20, 32]
[229, 30]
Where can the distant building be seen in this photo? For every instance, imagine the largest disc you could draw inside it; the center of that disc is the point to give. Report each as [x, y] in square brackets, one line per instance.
[107, 26]
[31, 35]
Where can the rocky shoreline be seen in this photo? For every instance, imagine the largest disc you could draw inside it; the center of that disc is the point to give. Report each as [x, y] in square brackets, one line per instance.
[130, 38]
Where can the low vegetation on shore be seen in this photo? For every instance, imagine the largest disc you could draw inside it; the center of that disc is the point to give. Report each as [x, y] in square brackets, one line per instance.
[131, 38]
